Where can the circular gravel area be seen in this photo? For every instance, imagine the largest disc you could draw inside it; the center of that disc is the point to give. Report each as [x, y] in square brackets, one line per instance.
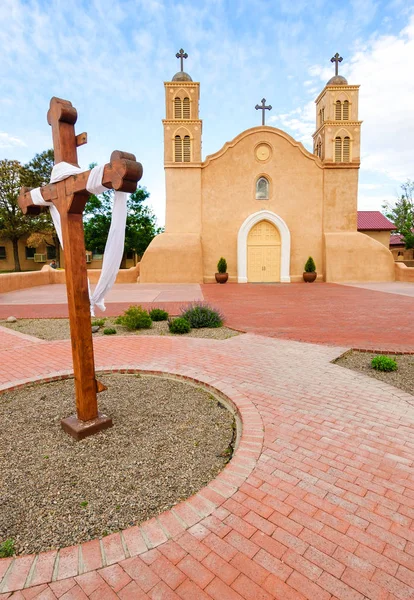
[169, 439]
[58, 329]
[403, 378]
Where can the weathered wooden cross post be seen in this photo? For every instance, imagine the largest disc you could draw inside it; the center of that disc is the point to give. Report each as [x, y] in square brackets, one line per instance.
[70, 196]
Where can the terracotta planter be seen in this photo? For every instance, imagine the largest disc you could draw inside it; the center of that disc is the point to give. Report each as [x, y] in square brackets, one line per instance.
[221, 277]
[309, 277]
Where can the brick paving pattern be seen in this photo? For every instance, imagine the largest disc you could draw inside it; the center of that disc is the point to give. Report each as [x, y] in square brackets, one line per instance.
[317, 503]
[319, 313]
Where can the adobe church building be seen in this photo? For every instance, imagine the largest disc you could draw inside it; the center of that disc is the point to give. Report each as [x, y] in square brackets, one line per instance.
[263, 201]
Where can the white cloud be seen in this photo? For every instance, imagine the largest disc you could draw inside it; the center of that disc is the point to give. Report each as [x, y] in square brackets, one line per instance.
[383, 66]
[366, 202]
[369, 186]
[9, 141]
[300, 123]
[387, 103]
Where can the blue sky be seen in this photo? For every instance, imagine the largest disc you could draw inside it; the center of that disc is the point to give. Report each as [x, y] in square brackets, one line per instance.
[111, 57]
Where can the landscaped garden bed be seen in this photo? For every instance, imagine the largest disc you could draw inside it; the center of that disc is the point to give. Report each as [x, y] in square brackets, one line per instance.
[204, 325]
[169, 439]
[402, 377]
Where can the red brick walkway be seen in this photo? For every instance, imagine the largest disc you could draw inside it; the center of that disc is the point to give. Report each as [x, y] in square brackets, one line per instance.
[318, 313]
[317, 503]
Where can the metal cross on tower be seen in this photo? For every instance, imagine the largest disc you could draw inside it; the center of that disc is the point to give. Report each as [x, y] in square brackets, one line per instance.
[336, 59]
[181, 54]
[263, 107]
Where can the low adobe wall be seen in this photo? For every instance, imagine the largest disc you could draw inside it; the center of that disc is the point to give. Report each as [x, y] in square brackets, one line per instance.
[404, 273]
[10, 282]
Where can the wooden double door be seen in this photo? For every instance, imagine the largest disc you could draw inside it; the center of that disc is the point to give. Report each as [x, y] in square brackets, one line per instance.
[263, 253]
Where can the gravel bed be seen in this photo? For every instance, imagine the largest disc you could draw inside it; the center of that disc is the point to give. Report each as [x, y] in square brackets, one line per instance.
[58, 329]
[403, 378]
[169, 439]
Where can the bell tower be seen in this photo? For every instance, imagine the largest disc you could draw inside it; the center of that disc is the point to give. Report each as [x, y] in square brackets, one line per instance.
[182, 126]
[176, 255]
[337, 137]
[182, 152]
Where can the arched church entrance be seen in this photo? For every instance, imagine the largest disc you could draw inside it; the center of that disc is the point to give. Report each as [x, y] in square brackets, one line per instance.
[267, 246]
[263, 253]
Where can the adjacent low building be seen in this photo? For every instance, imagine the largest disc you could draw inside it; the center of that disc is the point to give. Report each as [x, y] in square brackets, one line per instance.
[33, 259]
[374, 224]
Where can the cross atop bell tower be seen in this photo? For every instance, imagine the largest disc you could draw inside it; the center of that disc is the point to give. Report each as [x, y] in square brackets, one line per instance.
[336, 59]
[181, 54]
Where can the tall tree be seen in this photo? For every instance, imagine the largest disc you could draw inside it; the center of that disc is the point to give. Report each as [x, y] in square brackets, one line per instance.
[141, 225]
[402, 213]
[37, 173]
[13, 224]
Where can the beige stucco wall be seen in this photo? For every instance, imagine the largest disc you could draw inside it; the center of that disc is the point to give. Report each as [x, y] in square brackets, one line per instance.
[353, 256]
[228, 197]
[340, 194]
[383, 237]
[404, 273]
[173, 258]
[183, 210]
[25, 263]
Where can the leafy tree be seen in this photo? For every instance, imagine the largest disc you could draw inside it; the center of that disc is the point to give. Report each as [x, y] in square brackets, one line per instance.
[37, 173]
[402, 213]
[140, 226]
[13, 223]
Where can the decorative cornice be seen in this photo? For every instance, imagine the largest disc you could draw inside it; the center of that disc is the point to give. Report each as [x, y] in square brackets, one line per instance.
[335, 88]
[262, 129]
[334, 165]
[183, 121]
[337, 123]
[184, 84]
[174, 165]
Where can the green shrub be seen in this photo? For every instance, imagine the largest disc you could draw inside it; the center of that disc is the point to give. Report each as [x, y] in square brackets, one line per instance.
[135, 317]
[179, 325]
[200, 314]
[109, 331]
[310, 266]
[384, 363]
[7, 548]
[222, 265]
[157, 314]
[98, 323]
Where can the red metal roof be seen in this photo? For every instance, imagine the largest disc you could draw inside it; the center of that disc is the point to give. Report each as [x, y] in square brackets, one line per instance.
[373, 220]
[396, 240]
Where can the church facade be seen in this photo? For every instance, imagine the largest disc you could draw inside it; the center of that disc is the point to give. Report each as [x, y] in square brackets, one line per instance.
[263, 202]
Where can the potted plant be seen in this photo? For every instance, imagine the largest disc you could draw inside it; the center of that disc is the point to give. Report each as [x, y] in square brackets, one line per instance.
[310, 271]
[222, 275]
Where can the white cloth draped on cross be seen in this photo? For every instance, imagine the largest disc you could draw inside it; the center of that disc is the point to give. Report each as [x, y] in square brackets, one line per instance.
[114, 247]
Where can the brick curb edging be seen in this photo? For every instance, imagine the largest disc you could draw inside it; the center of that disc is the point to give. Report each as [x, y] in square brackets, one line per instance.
[32, 570]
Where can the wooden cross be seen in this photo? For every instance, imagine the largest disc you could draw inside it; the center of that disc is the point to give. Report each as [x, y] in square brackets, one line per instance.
[70, 196]
[263, 107]
[336, 59]
[181, 54]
